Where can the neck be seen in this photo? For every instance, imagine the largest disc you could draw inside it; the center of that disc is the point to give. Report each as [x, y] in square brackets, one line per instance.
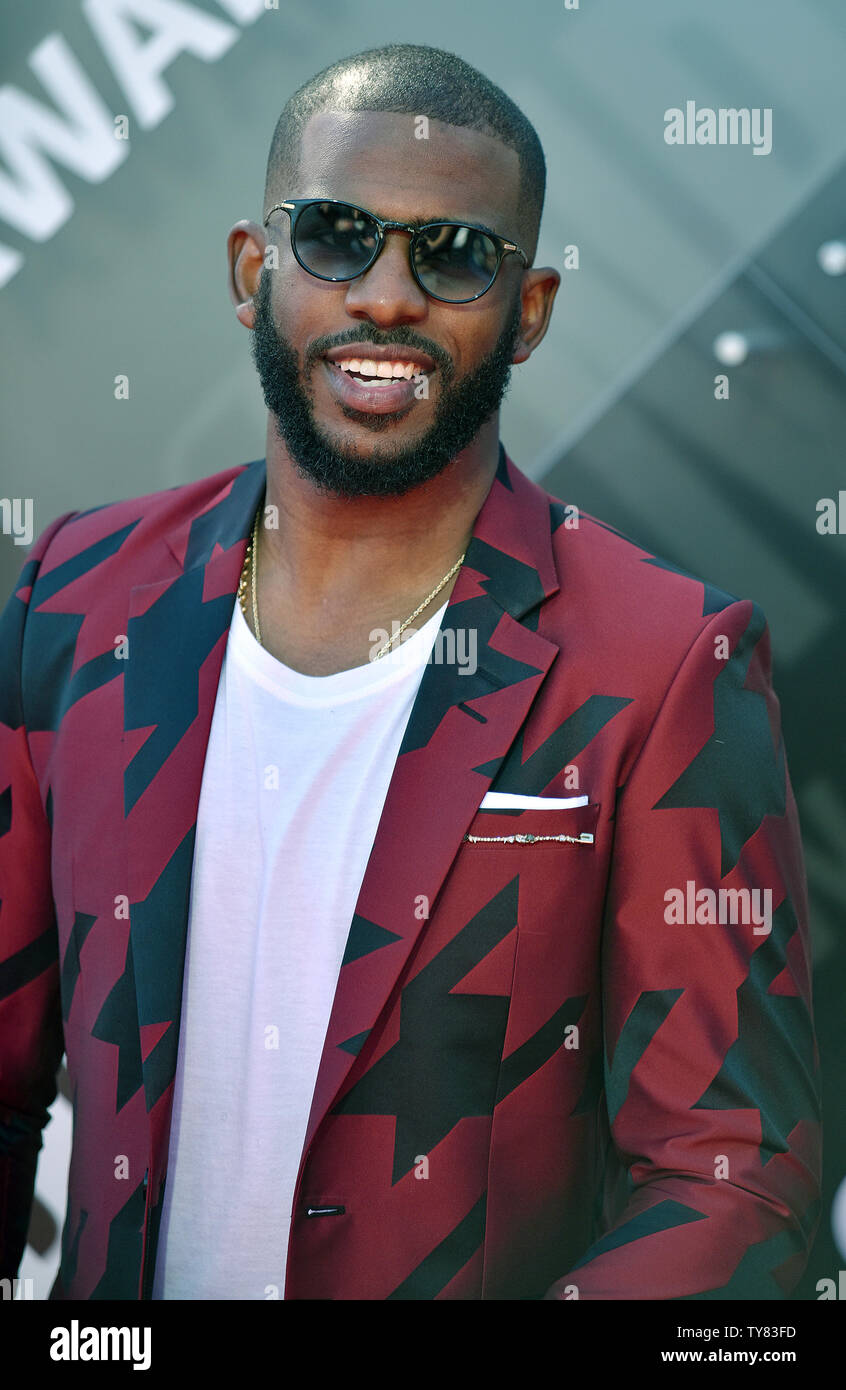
[333, 555]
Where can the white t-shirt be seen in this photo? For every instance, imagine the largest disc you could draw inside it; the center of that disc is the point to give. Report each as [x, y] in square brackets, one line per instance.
[295, 777]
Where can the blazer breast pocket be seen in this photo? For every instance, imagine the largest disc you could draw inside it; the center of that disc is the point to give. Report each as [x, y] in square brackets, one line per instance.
[533, 832]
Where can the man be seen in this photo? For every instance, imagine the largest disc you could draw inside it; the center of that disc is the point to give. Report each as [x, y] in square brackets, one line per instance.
[413, 880]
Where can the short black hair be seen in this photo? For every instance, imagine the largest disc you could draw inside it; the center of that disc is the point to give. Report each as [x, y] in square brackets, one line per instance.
[418, 80]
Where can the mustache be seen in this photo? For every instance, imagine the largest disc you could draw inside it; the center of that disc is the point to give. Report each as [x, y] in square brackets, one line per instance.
[395, 339]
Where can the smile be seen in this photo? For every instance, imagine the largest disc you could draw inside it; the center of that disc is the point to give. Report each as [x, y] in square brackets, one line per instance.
[376, 387]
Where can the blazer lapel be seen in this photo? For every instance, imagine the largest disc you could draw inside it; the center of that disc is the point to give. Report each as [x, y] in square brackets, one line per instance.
[459, 731]
[177, 630]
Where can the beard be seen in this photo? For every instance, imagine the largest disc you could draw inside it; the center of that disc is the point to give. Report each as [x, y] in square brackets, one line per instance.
[463, 407]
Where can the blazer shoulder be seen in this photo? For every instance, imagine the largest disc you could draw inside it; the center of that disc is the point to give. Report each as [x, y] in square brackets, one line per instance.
[634, 610]
[592, 553]
[145, 518]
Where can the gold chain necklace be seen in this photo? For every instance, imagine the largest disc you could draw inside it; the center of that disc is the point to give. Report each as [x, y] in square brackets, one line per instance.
[249, 577]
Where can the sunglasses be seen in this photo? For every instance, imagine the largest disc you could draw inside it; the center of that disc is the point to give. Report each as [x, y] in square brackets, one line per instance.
[451, 261]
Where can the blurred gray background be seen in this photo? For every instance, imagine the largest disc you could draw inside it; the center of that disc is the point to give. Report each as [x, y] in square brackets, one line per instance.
[121, 270]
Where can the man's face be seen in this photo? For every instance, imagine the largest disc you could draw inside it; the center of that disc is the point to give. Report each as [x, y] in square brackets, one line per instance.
[374, 161]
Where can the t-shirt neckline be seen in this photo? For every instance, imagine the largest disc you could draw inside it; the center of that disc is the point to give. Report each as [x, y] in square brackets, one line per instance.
[405, 659]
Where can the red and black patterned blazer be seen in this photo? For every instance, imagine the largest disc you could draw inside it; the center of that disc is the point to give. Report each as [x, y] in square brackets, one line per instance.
[533, 1084]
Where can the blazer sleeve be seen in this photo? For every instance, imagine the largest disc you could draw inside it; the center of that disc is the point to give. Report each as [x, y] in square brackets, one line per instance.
[31, 1037]
[710, 1059]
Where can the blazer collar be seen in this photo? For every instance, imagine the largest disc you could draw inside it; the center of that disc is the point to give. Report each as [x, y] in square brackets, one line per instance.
[511, 543]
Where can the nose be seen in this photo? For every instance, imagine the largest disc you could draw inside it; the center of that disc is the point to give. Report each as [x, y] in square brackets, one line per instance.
[387, 293]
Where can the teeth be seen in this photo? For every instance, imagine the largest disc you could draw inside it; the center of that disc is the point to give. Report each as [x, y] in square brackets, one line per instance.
[387, 371]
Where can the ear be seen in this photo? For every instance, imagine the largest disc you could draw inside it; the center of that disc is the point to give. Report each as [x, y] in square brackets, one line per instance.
[245, 246]
[539, 288]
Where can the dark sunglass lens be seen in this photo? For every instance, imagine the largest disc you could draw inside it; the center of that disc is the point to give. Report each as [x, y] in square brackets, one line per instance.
[455, 262]
[335, 240]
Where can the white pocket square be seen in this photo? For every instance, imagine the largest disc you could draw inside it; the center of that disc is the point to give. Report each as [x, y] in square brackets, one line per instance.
[500, 801]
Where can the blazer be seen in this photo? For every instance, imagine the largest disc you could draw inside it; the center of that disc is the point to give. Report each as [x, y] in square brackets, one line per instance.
[571, 1050]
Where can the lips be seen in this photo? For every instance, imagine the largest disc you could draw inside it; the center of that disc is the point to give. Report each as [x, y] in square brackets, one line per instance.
[392, 397]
